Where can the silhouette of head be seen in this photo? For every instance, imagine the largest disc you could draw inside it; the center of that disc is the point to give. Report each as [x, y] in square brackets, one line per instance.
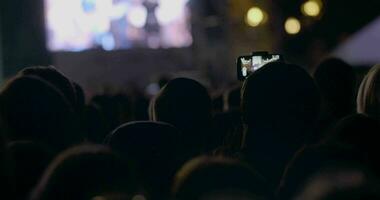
[84, 172]
[361, 133]
[336, 81]
[155, 149]
[185, 104]
[218, 178]
[280, 105]
[309, 162]
[368, 100]
[357, 130]
[340, 183]
[56, 78]
[33, 109]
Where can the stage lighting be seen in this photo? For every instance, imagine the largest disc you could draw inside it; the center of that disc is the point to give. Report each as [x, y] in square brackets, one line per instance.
[311, 8]
[292, 26]
[255, 16]
[138, 16]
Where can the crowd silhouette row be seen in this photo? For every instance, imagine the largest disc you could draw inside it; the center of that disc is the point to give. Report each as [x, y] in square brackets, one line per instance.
[281, 134]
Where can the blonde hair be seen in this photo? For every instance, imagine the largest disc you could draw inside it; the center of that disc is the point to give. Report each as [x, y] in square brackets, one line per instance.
[368, 102]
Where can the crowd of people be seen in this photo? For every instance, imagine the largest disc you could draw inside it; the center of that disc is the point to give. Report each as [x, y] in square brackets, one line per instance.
[281, 134]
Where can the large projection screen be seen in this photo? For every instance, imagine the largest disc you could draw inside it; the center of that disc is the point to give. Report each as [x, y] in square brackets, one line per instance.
[78, 25]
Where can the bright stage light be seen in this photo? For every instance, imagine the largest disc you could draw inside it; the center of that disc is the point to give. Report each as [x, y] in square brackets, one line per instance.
[138, 16]
[292, 26]
[255, 16]
[311, 8]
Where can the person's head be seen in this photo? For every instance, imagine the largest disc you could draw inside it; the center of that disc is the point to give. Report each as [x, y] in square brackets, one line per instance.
[218, 178]
[336, 81]
[309, 161]
[56, 78]
[358, 131]
[368, 100]
[340, 183]
[361, 133]
[84, 172]
[280, 106]
[33, 109]
[186, 104]
[155, 149]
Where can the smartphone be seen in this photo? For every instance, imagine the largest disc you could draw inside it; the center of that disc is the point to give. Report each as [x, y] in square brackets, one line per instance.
[246, 65]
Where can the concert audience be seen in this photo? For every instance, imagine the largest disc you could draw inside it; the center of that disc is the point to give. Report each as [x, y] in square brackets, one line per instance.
[282, 135]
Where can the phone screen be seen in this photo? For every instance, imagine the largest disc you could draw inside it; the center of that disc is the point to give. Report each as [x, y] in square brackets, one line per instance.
[249, 64]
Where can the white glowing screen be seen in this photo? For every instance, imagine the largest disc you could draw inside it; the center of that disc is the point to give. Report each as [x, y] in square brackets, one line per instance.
[77, 25]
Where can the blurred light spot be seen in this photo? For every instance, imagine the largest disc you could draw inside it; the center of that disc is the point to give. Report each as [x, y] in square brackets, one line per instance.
[292, 25]
[108, 42]
[139, 197]
[152, 89]
[255, 16]
[138, 16]
[170, 11]
[311, 8]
